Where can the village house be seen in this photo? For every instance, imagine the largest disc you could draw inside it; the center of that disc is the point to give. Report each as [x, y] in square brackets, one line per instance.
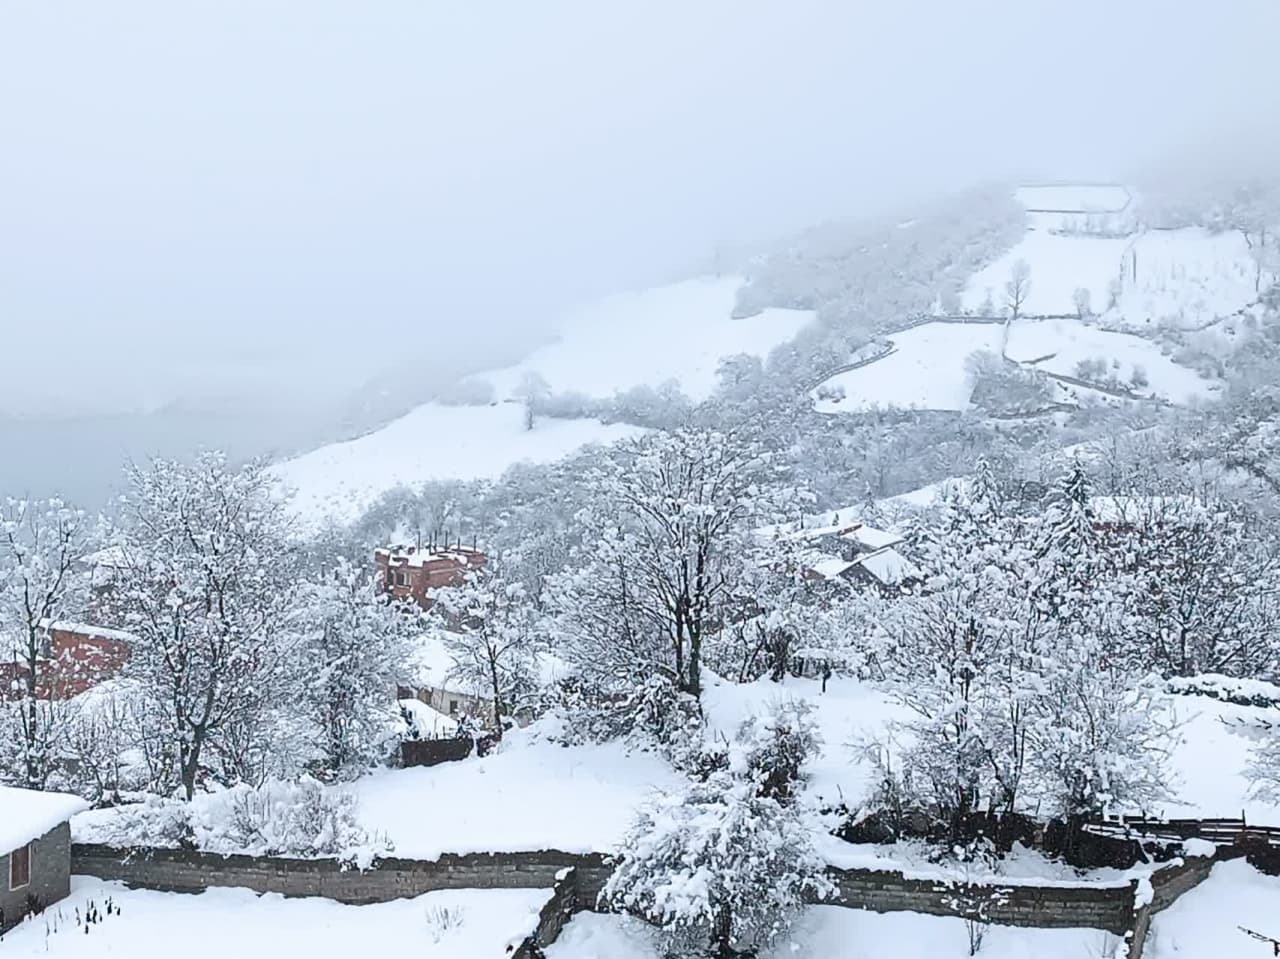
[415, 572]
[74, 657]
[35, 851]
[850, 551]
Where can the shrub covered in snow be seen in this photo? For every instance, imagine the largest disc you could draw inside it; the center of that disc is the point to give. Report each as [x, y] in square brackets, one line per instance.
[300, 819]
[718, 868]
[771, 750]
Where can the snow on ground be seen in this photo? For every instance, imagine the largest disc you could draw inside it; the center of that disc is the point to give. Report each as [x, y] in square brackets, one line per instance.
[1211, 761]
[1183, 278]
[835, 932]
[531, 794]
[677, 332]
[450, 924]
[849, 714]
[1059, 265]
[1205, 922]
[433, 442]
[1067, 342]
[925, 371]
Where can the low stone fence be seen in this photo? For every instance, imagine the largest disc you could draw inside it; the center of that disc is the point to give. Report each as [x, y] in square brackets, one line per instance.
[183, 870]
[432, 752]
[1121, 908]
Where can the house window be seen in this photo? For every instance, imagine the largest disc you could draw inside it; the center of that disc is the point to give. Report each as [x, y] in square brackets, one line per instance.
[402, 578]
[453, 707]
[20, 867]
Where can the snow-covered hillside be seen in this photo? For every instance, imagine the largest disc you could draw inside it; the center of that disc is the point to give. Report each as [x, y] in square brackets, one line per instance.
[1060, 264]
[342, 480]
[678, 332]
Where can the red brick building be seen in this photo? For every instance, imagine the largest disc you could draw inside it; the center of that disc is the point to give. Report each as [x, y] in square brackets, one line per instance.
[414, 572]
[75, 657]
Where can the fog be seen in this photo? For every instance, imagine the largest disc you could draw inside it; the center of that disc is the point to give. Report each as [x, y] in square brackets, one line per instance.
[221, 202]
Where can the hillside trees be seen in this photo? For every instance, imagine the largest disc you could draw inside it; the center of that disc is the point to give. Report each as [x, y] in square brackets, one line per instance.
[206, 584]
[40, 541]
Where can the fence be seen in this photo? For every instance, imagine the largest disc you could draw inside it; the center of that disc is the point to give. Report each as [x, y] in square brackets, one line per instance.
[1223, 832]
[432, 752]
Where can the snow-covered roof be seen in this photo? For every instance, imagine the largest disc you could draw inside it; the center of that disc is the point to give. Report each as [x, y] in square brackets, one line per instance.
[828, 567]
[422, 555]
[26, 815]
[85, 629]
[888, 566]
[109, 557]
[429, 721]
[852, 530]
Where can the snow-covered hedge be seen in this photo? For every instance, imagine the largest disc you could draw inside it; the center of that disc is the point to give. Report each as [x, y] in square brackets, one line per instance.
[297, 819]
[1229, 689]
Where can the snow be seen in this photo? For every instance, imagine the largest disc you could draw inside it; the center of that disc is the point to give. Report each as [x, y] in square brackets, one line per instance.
[889, 567]
[1185, 277]
[432, 442]
[1074, 197]
[849, 713]
[429, 723]
[26, 815]
[431, 664]
[926, 370]
[235, 922]
[1066, 342]
[531, 794]
[835, 932]
[1205, 922]
[1059, 265]
[631, 340]
[828, 567]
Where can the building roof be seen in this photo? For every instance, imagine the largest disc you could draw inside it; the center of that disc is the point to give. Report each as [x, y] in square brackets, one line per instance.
[26, 815]
[889, 567]
[429, 722]
[422, 555]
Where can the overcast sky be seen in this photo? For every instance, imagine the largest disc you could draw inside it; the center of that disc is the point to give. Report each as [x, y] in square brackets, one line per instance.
[196, 192]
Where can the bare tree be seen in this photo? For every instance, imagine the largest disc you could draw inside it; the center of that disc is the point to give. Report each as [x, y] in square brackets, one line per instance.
[532, 390]
[1018, 288]
[1083, 302]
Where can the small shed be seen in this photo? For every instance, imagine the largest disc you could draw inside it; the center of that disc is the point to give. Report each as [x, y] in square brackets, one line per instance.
[35, 850]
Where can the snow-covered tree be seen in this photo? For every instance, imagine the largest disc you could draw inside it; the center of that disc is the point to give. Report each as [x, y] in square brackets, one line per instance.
[207, 581]
[674, 516]
[718, 869]
[772, 750]
[40, 541]
[1082, 300]
[352, 646]
[489, 630]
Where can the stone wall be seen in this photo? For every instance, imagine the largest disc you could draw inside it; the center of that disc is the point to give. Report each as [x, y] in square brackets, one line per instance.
[432, 752]
[181, 870]
[554, 916]
[1095, 906]
[50, 876]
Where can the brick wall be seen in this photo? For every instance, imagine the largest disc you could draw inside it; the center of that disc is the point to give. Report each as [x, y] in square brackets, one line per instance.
[50, 876]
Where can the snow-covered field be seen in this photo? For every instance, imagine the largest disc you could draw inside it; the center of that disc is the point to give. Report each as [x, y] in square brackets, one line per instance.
[677, 332]
[1205, 923]
[532, 794]
[834, 932]
[450, 924]
[1067, 342]
[433, 442]
[1059, 265]
[1183, 278]
[926, 370]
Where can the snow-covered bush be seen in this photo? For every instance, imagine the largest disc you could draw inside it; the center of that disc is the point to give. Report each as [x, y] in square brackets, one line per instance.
[718, 868]
[299, 819]
[771, 750]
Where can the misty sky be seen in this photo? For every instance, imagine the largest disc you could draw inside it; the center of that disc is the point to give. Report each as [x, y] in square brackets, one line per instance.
[197, 195]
